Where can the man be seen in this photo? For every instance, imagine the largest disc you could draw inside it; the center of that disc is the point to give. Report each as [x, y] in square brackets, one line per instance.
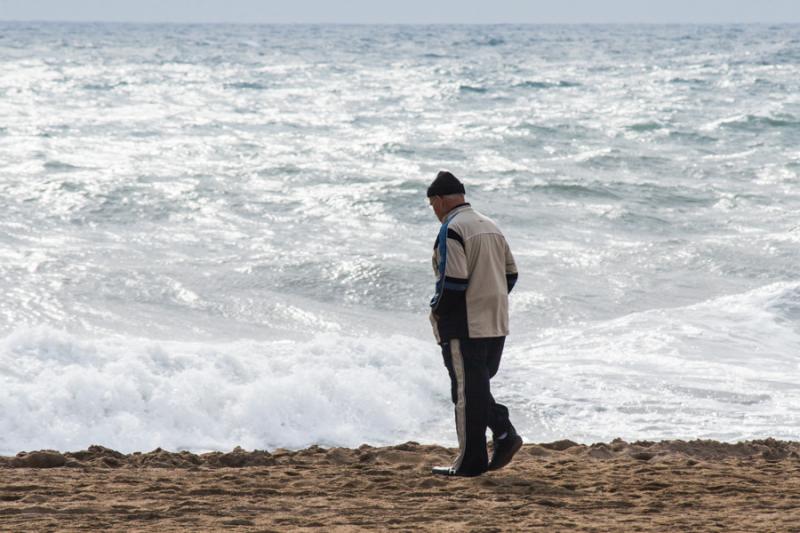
[474, 271]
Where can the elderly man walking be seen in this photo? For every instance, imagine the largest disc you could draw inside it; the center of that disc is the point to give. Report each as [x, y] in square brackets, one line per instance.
[474, 271]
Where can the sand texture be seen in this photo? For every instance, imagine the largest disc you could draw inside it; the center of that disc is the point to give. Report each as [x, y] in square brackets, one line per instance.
[667, 486]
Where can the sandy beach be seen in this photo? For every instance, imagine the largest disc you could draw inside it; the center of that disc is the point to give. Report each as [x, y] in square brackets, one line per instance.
[560, 486]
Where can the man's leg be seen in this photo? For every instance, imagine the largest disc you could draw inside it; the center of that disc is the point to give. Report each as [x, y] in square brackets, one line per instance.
[472, 408]
[498, 413]
[466, 363]
[505, 441]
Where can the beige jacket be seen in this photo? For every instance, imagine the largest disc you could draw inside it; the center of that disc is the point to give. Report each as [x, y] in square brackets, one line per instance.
[474, 271]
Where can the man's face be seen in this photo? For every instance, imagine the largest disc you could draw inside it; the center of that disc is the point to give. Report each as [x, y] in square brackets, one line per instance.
[436, 202]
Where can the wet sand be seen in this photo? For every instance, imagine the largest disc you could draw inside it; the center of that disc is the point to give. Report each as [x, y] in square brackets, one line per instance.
[667, 486]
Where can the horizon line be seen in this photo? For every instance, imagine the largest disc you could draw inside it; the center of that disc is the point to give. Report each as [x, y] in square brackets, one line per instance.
[331, 23]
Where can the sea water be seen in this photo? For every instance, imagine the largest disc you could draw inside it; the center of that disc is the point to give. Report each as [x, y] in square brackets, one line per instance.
[218, 235]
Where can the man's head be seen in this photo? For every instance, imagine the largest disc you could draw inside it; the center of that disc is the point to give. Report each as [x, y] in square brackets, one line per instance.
[445, 193]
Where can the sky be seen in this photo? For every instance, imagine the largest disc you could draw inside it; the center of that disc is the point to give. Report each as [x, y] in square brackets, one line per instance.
[406, 11]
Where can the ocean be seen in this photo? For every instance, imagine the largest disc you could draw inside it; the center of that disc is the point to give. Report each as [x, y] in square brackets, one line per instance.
[217, 235]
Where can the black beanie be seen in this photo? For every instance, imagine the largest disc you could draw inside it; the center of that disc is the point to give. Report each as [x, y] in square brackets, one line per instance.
[445, 183]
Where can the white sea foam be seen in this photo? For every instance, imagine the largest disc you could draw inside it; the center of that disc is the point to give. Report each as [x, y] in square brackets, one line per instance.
[719, 369]
[62, 392]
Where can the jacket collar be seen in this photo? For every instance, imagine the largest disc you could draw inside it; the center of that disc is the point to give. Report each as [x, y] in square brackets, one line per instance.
[457, 209]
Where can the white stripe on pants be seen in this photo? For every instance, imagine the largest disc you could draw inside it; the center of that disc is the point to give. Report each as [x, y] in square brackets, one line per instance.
[461, 403]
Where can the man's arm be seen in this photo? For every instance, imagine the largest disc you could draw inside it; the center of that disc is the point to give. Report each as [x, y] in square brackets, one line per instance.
[453, 277]
[511, 269]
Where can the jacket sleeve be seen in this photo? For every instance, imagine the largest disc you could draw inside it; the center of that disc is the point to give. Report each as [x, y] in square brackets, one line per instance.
[511, 269]
[453, 278]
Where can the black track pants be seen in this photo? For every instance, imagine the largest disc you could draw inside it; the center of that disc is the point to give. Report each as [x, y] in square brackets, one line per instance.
[471, 363]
